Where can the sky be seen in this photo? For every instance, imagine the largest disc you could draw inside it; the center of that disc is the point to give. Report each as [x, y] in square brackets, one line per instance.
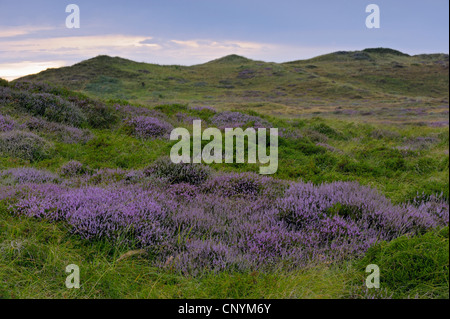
[34, 36]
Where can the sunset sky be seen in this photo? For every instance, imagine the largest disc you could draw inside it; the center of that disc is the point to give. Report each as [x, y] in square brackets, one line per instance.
[33, 35]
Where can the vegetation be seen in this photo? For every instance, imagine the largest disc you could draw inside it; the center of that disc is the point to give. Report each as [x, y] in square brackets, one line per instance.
[363, 157]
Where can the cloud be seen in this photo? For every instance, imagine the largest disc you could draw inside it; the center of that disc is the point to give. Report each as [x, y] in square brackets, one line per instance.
[11, 71]
[80, 43]
[9, 32]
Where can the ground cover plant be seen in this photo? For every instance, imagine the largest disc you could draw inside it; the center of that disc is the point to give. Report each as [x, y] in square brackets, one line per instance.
[85, 179]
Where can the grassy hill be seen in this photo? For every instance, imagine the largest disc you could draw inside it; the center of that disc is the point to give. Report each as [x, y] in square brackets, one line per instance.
[375, 83]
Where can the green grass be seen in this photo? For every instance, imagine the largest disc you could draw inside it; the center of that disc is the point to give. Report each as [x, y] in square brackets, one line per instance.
[413, 267]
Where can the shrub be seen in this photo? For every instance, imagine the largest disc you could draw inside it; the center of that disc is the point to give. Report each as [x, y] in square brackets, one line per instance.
[236, 119]
[50, 106]
[98, 115]
[25, 175]
[6, 123]
[178, 173]
[64, 133]
[326, 130]
[5, 95]
[244, 184]
[24, 145]
[72, 168]
[148, 127]
[4, 83]
[208, 231]
[118, 215]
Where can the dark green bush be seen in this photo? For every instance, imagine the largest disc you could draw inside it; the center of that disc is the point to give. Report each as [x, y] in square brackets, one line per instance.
[24, 145]
[4, 82]
[178, 173]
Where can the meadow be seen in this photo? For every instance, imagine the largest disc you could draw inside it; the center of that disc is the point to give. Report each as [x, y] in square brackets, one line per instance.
[363, 178]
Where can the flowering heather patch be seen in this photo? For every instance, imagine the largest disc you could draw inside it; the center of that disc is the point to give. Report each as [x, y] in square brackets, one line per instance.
[294, 134]
[6, 123]
[203, 108]
[244, 184]
[185, 118]
[5, 95]
[207, 227]
[50, 106]
[149, 127]
[72, 168]
[235, 119]
[25, 145]
[64, 133]
[107, 176]
[35, 87]
[24, 175]
[116, 214]
[439, 124]
[178, 173]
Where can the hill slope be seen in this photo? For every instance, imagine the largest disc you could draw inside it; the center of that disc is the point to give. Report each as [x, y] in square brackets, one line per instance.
[365, 79]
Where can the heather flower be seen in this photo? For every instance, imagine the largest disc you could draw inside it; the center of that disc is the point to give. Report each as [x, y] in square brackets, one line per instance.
[203, 108]
[149, 127]
[244, 184]
[64, 133]
[6, 123]
[72, 168]
[235, 119]
[24, 175]
[229, 222]
[178, 173]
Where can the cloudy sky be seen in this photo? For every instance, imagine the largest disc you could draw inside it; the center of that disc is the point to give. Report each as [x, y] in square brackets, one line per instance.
[34, 36]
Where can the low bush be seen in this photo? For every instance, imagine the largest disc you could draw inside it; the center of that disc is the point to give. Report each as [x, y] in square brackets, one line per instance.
[72, 168]
[50, 106]
[24, 145]
[178, 173]
[148, 127]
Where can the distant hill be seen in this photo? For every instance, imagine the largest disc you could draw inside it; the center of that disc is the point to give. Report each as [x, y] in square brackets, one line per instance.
[376, 74]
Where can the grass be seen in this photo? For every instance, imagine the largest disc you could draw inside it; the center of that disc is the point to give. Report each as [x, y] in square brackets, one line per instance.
[413, 266]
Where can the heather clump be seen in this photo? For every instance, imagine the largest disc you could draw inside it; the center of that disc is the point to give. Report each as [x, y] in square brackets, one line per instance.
[73, 168]
[236, 119]
[244, 184]
[119, 215]
[7, 123]
[234, 226]
[148, 127]
[26, 175]
[52, 107]
[6, 95]
[63, 133]
[24, 145]
[107, 176]
[98, 115]
[178, 173]
[305, 205]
